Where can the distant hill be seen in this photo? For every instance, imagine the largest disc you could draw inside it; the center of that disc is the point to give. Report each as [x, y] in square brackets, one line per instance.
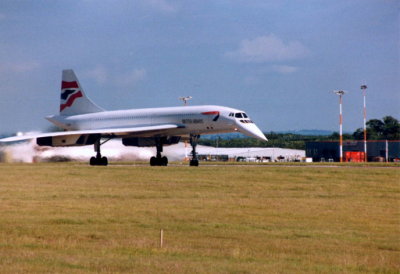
[224, 136]
[312, 132]
[236, 135]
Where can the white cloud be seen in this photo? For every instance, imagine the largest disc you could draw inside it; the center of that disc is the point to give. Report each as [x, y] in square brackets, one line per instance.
[131, 78]
[269, 48]
[284, 69]
[131, 7]
[252, 80]
[161, 5]
[19, 67]
[99, 74]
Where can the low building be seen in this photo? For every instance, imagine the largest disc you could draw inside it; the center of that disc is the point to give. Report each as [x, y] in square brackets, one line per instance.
[353, 151]
[250, 154]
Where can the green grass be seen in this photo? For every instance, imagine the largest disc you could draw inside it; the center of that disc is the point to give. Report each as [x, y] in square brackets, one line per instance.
[72, 218]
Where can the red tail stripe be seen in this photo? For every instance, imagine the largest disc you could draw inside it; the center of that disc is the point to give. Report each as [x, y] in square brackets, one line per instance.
[210, 113]
[71, 100]
[69, 84]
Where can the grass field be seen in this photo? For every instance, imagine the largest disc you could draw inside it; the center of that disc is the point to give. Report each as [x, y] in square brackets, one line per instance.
[72, 218]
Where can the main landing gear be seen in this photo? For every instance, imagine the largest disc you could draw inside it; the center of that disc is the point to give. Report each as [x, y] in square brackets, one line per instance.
[158, 160]
[163, 161]
[193, 142]
[98, 160]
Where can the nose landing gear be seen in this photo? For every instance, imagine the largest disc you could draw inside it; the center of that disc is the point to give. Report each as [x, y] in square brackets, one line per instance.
[193, 142]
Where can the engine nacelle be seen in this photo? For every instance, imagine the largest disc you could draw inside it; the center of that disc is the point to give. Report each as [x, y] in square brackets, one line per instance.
[149, 141]
[65, 141]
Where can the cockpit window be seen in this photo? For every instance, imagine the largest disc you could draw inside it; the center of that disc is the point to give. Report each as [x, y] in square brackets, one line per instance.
[241, 115]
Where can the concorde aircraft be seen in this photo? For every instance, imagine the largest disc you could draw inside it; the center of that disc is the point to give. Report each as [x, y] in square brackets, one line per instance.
[85, 123]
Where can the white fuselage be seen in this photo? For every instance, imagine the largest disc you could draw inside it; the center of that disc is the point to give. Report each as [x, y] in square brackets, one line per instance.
[195, 120]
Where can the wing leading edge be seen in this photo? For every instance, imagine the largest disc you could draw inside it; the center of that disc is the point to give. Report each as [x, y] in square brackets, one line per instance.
[109, 132]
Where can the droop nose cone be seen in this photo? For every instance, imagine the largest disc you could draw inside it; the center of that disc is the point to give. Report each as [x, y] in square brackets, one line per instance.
[253, 131]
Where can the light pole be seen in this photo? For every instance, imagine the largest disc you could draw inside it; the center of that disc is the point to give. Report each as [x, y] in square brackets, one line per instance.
[364, 91]
[340, 93]
[185, 99]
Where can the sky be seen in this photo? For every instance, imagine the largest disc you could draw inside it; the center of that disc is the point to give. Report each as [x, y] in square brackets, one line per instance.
[278, 60]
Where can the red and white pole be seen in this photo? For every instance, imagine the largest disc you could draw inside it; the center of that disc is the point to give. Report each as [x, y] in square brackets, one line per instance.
[340, 93]
[364, 89]
[341, 128]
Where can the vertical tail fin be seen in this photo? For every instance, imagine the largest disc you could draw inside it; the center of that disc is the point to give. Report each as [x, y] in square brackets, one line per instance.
[73, 100]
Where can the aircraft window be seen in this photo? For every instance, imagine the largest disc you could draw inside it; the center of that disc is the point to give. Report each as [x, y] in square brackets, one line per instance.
[245, 115]
[247, 121]
[238, 115]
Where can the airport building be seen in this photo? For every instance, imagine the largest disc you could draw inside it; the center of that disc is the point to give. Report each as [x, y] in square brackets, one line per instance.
[353, 151]
[250, 154]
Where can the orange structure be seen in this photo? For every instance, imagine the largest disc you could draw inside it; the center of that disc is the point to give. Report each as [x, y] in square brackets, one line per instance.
[354, 156]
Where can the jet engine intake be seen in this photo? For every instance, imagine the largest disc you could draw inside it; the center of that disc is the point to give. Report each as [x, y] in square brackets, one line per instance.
[65, 141]
[150, 141]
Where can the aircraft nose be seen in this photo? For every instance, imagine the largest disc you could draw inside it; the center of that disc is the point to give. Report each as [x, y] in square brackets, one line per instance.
[253, 131]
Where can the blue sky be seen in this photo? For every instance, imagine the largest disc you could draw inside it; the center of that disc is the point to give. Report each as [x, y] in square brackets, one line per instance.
[277, 60]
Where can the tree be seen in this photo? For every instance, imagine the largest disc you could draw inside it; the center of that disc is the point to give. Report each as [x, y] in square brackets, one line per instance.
[375, 129]
[358, 134]
[387, 129]
[391, 128]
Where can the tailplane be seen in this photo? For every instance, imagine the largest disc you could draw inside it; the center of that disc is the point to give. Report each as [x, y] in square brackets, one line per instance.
[73, 100]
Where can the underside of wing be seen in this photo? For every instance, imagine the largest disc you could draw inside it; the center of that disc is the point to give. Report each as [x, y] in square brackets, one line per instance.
[153, 130]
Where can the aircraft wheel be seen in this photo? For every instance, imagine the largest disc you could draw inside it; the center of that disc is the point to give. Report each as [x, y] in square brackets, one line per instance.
[153, 161]
[164, 161]
[93, 161]
[194, 163]
[104, 161]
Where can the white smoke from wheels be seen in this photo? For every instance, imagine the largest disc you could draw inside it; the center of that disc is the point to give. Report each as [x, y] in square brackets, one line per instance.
[114, 150]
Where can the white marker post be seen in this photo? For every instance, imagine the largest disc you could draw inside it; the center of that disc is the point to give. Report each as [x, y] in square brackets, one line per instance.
[161, 238]
[387, 151]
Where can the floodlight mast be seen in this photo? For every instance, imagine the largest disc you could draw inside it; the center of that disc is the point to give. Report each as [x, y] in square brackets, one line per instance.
[364, 91]
[340, 93]
[185, 99]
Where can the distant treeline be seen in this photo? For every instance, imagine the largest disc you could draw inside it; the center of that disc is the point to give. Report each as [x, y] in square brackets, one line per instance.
[386, 129]
[282, 140]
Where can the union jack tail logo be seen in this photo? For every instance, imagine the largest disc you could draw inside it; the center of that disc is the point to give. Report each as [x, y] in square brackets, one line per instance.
[70, 92]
